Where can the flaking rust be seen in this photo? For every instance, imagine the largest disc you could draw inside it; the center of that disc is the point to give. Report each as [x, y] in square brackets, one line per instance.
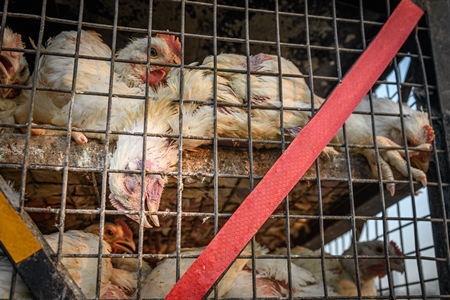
[84, 188]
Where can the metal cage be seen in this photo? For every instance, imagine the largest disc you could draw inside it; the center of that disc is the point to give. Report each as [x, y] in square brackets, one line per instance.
[64, 186]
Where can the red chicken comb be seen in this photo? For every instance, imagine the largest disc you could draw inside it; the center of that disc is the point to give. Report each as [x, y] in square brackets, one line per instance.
[126, 230]
[398, 252]
[15, 42]
[172, 41]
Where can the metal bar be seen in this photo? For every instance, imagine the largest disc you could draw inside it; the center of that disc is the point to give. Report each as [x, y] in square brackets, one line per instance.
[142, 215]
[65, 163]
[411, 183]
[180, 144]
[106, 157]
[438, 17]
[381, 184]
[283, 147]
[215, 139]
[249, 128]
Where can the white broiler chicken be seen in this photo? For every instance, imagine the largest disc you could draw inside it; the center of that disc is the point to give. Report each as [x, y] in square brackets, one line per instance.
[83, 270]
[271, 277]
[162, 278]
[164, 49]
[272, 280]
[93, 76]
[265, 93]
[340, 273]
[161, 152]
[232, 121]
[198, 120]
[13, 71]
[124, 277]
[418, 133]
[265, 123]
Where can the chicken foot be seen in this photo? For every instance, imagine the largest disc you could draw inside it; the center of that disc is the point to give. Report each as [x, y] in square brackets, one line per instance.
[78, 137]
[34, 131]
[394, 158]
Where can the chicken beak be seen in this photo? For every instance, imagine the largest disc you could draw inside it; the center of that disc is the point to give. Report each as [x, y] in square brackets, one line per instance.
[124, 246]
[397, 265]
[8, 65]
[155, 220]
[119, 206]
[151, 207]
[153, 187]
[5, 91]
[153, 190]
[136, 219]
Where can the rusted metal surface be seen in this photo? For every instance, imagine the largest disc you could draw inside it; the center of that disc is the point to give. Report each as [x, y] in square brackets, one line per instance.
[44, 191]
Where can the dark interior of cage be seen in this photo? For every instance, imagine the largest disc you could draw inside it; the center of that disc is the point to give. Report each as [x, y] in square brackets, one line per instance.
[323, 194]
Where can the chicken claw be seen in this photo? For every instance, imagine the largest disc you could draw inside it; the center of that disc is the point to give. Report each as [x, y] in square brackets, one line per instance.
[34, 131]
[79, 137]
[393, 158]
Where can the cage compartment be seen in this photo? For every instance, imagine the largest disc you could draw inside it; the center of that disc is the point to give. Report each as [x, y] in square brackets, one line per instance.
[44, 180]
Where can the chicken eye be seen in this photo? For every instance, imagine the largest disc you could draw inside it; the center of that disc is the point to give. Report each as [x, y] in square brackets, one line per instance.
[153, 52]
[109, 232]
[379, 249]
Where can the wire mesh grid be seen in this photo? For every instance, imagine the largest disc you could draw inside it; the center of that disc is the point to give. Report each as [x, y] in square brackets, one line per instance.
[66, 186]
[417, 280]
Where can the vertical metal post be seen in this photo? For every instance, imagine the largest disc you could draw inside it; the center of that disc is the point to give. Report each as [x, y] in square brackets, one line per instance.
[438, 17]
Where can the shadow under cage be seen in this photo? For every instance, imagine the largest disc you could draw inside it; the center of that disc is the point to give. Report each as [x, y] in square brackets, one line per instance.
[214, 128]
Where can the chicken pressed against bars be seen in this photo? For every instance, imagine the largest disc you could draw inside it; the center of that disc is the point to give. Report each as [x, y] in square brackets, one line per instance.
[13, 71]
[115, 280]
[198, 116]
[232, 121]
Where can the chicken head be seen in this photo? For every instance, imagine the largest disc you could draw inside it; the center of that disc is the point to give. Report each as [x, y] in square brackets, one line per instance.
[419, 134]
[126, 191]
[397, 126]
[165, 49]
[118, 235]
[13, 65]
[373, 267]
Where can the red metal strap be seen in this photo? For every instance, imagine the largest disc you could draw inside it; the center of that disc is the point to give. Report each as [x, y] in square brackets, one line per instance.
[299, 156]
